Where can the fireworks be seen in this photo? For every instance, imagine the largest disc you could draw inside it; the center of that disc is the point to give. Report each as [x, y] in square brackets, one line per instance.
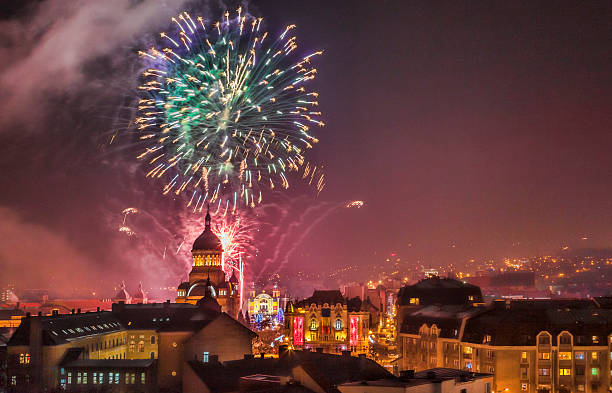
[224, 110]
[355, 204]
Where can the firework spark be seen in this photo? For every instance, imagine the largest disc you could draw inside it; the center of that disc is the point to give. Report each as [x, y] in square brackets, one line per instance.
[224, 111]
[355, 204]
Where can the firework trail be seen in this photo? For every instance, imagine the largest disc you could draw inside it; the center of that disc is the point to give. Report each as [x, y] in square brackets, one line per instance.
[224, 112]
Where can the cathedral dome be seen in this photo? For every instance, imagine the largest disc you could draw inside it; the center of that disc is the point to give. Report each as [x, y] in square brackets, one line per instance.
[207, 241]
[208, 302]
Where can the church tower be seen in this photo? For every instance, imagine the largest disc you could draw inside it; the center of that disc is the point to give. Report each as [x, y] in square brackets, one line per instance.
[207, 277]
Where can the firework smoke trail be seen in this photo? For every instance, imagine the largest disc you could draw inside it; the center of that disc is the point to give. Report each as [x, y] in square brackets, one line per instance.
[224, 111]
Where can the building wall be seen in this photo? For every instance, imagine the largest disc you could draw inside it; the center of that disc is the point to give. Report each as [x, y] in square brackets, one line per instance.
[171, 347]
[223, 337]
[517, 368]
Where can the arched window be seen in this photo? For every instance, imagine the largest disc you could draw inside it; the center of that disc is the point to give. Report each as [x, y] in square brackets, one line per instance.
[313, 324]
[132, 345]
[152, 339]
[141, 346]
[338, 324]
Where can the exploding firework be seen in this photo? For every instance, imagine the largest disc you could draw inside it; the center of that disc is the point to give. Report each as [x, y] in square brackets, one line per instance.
[355, 204]
[224, 111]
[127, 230]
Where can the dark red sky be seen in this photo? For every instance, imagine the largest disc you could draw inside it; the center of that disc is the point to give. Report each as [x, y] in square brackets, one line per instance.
[486, 125]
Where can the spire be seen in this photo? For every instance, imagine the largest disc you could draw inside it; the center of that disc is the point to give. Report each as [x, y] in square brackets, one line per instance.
[207, 218]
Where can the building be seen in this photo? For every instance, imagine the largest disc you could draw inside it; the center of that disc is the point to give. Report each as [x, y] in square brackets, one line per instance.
[207, 267]
[267, 307]
[529, 345]
[437, 380]
[330, 323]
[292, 371]
[133, 348]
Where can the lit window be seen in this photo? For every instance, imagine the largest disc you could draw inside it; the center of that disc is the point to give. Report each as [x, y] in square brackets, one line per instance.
[467, 350]
[21, 358]
[414, 300]
[565, 356]
[595, 339]
[174, 373]
[95, 378]
[143, 378]
[470, 297]
[313, 324]
[579, 355]
[544, 355]
[69, 377]
[488, 338]
[544, 371]
[116, 378]
[13, 380]
[580, 388]
[594, 371]
[110, 378]
[205, 357]
[594, 355]
[565, 371]
[523, 357]
[141, 346]
[79, 378]
[85, 378]
[524, 386]
[338, 324]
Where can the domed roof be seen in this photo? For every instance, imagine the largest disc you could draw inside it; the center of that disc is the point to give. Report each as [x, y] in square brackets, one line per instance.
[139, 293]
[208, 302]
[122, 294]
[207, 241]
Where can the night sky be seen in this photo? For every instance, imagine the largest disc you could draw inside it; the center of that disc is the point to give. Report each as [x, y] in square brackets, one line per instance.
[470, 129]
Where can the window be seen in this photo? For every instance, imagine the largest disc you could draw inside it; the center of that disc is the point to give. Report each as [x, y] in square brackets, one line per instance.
[467, 350]
[24, 358]
[13, 380]
[132, 346]
[205, 357]
[152, 355]
[152, 339]
[79, 378]
[565, 371]
[69, 377]
[110, 378]
[140, 346]
[414, 301]
[488, 387]
[487, 338]
[544, 340]
[463, 391]
[313, 324]
[95, 378]
[523, 357]
[470, 297]
[338, 324]
[565, 339]
[544, 371]
[116, 378]
[524, 386]
[580, 388]
[594, 371]
[565, 356]
[544, 355]
[524, 371]
[143, 378]
[579, 355]
[595, 339]
[594, 355]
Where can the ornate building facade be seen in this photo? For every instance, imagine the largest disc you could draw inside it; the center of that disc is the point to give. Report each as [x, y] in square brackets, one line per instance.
[330, 323]
[207, 270]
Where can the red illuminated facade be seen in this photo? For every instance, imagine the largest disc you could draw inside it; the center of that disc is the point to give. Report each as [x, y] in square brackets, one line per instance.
[298, 331]
[354, 331]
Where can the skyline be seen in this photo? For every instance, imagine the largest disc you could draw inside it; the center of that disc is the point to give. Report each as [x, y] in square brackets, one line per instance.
[482, 127]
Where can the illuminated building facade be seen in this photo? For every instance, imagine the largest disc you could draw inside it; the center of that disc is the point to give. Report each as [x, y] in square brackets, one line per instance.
[133, 348]
[207, 268]
[267, 308]
[330, 323]
[530, 346]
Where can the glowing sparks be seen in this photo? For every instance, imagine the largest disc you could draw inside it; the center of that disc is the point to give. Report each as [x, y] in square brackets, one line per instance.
[224, 113]
[355, 204]
[127, 230]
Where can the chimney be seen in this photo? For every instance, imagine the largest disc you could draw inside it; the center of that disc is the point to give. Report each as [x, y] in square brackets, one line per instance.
[28, 314]
[97, 309]
[40, 313]
[262, 355]
[55, 313]
[78, 310]
[72, 311]
[213, 359]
